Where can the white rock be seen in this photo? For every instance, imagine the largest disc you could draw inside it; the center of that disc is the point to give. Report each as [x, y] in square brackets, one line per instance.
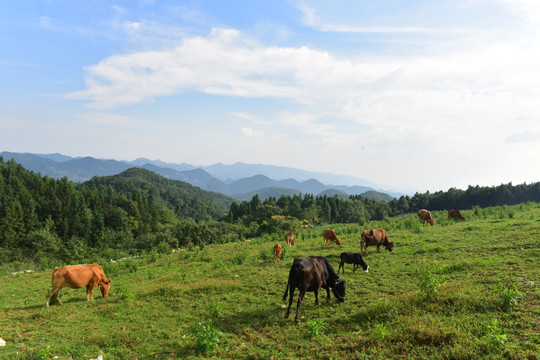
[2, 342]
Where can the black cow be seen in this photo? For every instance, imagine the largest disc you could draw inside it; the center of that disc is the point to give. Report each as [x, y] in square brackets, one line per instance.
[352, 258]
[311, 274]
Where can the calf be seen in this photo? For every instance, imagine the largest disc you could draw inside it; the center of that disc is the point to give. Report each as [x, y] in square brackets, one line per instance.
[330, 235]
[78, 276]
[375, 237]
[289, 238]
[425, 216]
[277, 252]
[352, 258]
[311, 274]
[455, 214]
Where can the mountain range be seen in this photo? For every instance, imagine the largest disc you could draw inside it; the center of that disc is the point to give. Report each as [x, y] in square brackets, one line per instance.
[240, 181]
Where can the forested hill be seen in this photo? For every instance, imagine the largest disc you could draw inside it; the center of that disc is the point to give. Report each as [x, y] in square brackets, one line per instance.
[186, 200]
[52, 222]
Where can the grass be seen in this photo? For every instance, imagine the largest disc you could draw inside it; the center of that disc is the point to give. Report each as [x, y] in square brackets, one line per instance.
[442, 294]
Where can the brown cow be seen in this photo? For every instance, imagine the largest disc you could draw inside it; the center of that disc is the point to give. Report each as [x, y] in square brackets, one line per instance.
[455, 214]
[375, 237]
[289, 238]
[277, 252]
[330, 235]
[78, 276]
[425, 216]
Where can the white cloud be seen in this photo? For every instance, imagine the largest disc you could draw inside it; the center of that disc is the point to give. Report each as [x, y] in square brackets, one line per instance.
[252, 133]
[526, 136]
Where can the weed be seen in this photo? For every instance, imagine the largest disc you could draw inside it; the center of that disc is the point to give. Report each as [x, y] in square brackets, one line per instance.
[131, 266]
[265, 255]
[207, 337]
[508, 296]
[315, 327]
[494, 335]
[429, 282]
[239, 259]
[45, 354]
[285, 252]
[124, 292]
[380, 332]
[216, 309]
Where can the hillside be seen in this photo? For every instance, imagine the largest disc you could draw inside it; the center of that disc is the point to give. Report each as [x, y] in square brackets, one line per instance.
[457, 290]
[174, 193]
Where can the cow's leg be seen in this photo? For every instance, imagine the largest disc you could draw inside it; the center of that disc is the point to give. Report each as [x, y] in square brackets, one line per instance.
[355, 266]
[51, 293]
[316, 297]
[291, 295]
[328, 293]
[89, 292]
[300, 298]
[58, 296]
[341, 266]
[378, 245]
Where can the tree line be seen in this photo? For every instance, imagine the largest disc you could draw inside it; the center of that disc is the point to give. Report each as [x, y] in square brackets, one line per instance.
[55, 221]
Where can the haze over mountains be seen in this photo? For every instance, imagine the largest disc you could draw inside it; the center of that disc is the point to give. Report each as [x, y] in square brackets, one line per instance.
[238, 180]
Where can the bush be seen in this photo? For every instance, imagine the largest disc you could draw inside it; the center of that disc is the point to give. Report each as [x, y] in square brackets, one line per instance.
[508, 296]
[124, 292]
[239, 259]
[207, 337]
[429, 282]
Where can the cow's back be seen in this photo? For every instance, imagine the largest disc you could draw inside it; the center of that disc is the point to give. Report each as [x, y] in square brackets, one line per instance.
[77, 276]
[424, 214]
[329, 234]
[374, 236]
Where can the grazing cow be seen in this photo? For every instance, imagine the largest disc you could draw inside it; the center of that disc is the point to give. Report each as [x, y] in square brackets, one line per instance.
[330, 235]
[352, 258]
[78, 276]
[277, 252]
[455, 214]
[289, 238]
[375, 237]
[311, 274]
[425, 216]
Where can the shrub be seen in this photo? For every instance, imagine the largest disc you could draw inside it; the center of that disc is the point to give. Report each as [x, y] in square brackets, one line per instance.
[239, 259]
[124, 292]
[494, 335]
[207, 337]
[132, 266]
[265, 255]
[285, 252]
[429, 282]
[315, 327]
[508, 296]
[380, 332]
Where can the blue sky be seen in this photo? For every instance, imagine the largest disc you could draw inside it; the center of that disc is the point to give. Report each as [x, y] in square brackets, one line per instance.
[410, 95]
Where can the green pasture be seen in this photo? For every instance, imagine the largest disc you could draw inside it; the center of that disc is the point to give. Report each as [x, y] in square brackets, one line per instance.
[457, 290]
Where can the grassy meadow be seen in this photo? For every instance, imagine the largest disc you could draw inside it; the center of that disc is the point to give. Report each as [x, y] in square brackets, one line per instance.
[457, 290]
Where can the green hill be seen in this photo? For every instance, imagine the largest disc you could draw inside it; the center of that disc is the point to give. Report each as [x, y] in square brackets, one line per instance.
[457, 290]
[187, 200]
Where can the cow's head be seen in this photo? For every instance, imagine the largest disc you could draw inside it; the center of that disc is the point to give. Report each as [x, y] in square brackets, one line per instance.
[104, 287]
[390, 246]
[339, 290]
[432, 222]
[338, 241]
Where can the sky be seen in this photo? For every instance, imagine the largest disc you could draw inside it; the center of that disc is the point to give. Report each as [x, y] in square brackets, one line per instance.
[409, 95]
